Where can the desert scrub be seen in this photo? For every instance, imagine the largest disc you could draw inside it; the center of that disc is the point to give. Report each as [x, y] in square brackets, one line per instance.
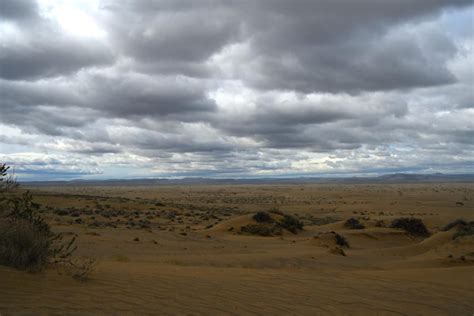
[266, 225]
[341, 240]
[456, 223]
[262, 230]
[291, 223]
[353, 223]
[262, 217]
[413, 226]
[23, 246]
[26, 239]
[465, 230]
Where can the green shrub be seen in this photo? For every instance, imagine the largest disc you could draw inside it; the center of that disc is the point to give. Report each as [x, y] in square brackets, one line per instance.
[413, 226]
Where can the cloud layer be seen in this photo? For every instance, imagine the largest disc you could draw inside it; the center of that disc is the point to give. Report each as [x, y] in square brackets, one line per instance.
[217, 88]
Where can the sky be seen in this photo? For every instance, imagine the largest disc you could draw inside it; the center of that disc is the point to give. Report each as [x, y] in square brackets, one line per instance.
[98, 89]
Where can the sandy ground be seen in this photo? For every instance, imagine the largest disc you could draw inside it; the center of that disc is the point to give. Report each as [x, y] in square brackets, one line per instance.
[179, 250]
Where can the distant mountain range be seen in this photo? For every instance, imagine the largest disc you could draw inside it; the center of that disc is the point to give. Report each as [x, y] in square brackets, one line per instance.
[389, 178]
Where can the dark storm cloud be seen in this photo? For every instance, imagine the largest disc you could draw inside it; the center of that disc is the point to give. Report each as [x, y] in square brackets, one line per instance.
[299, 45]
[49, 57]
[48, 106]
[229, 87]
[18, 9]
[136, 95]
[36, 49]
[348, 46]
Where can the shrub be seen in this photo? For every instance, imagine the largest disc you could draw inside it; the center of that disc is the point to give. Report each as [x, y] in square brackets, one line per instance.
[456, 223]
[466, 230]
[267, 226]
[262, 217]
[353, 223]
[291, 223]
[413, 226]
[26, 239]
[262, 229]
[341, 240]
[23, 246]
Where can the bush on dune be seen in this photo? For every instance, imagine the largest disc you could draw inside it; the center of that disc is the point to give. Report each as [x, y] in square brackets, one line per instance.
[23, 246]
[341, 240]
[456, 223]
[262, 217]
[353, 223]
[413, 226]
[26, 239]
[291, 223]
[465, 230]
[268, 226]
[262, 230]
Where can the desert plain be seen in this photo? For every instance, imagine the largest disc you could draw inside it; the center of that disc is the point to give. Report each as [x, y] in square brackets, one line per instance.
[184, 250]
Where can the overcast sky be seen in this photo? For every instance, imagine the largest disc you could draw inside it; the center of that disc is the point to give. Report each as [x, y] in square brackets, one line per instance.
[154, 88]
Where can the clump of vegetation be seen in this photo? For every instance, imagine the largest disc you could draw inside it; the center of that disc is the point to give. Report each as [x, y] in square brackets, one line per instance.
[262, 230]
[353, 223]
[341, 240]
[262, 217]
[291, 223]
[413, 226]
[26, 239]
[268, 226]
[22, 246]
[465, 230]
[456, 223]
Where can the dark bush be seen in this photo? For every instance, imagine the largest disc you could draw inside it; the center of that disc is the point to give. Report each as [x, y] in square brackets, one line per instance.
[262, 217]
[23, 245]
[26, 239]
[466, 230]
[267, 226]
[457, 223]
[291, 223]
[341, 240]
[413, 226]
[262, 229]
[353, 223]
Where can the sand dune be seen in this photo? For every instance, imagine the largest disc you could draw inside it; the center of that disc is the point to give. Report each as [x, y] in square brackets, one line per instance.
[180, 265]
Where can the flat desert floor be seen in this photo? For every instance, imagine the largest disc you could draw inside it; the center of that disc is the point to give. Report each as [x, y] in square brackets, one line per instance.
[180, 250]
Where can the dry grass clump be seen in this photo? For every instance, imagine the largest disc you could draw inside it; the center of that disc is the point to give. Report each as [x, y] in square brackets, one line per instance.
[353, 223]
[413, 226]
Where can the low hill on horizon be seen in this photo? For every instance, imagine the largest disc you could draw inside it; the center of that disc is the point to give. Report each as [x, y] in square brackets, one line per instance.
[388, 178]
